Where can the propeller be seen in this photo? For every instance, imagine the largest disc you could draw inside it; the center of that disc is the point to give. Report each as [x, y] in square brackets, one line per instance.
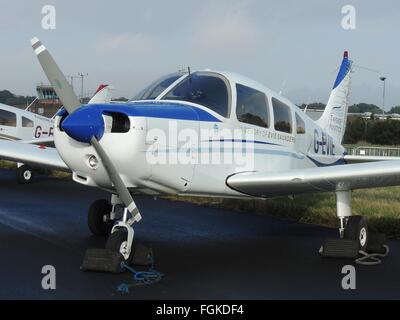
[56, 77]
[71, 104]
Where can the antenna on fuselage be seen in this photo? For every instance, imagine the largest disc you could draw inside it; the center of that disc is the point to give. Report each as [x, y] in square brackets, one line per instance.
[190, 74]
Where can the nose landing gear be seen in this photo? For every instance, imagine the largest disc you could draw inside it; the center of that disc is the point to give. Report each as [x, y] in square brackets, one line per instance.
[102, 215]
[122, 234]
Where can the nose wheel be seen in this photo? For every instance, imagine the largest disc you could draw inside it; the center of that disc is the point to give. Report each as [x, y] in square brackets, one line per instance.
[118, 242]
[102, 215]
[121, 238]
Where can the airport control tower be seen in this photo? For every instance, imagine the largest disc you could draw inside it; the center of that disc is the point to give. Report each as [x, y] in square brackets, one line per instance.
[47, 102]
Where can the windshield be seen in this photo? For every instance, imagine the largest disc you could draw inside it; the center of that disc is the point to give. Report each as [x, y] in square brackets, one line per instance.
[207, 90]
[157, 87]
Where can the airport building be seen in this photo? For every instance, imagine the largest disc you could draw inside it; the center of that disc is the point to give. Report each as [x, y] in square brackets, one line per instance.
[47, 102]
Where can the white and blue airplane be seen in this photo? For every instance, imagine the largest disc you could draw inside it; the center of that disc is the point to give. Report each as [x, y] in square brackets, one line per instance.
[160, 143]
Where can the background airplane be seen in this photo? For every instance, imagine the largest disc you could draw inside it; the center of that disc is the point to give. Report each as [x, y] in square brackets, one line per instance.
[110, 146]
[27, 127]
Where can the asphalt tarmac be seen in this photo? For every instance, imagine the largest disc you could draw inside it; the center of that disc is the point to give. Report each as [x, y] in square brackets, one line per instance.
[205, 253]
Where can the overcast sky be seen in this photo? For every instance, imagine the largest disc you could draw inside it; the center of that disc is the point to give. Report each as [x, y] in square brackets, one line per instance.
[289, 45]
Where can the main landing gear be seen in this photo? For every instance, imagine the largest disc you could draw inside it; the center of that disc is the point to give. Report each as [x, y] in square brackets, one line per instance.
[105, 217]
[24, 174]
[351, 227]
[356, 242]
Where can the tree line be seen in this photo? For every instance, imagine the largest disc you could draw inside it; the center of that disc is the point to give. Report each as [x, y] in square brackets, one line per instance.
[7, 97]
[377, 132]
[368, 129]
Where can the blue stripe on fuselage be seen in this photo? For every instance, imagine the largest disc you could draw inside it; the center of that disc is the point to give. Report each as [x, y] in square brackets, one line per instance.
[245, 141]
[157, 110]
[321, 164]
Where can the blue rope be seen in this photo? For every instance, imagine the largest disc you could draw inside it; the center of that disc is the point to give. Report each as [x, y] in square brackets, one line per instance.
[143, 278]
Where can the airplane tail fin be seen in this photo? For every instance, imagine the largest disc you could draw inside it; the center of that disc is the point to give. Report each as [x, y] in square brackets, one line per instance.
[334, 118]
[103, 94]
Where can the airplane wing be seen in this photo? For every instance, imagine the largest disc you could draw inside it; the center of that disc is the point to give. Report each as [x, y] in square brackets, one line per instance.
[48, 142]
[321, 179]
[31, 154]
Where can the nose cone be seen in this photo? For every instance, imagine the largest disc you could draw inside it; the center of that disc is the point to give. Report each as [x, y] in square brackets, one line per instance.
[84, 124]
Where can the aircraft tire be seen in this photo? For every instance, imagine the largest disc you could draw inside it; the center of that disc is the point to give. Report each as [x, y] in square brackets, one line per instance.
[117, 242]
[24, 175]
[357, 229]
[97, 211]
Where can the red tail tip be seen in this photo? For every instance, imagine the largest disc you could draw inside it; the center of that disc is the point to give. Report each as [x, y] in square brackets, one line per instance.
[346, 54]
[101, 87]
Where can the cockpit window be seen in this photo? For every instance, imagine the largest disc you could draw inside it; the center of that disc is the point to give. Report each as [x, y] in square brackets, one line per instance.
[207, 90]
[8, 118]
[157, 87]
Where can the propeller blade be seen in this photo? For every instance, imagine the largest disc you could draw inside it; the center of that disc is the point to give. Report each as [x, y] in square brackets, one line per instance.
[71, 103]
[115, 178]
[56, 77]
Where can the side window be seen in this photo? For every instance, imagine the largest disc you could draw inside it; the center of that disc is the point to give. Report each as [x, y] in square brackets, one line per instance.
[300, 125]
[282, 116]
[27, 123]
[8, 118]
[252, 106]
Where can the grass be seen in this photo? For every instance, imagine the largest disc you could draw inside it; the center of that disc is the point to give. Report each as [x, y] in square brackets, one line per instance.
[380, 206]
[8, 165]
[53, 173]
[367, 144]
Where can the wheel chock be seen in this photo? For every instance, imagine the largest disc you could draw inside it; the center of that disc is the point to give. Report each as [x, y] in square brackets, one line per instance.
[376, 243]
[103, 260]
[340, 248]
[350, 249]
[143, 256]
